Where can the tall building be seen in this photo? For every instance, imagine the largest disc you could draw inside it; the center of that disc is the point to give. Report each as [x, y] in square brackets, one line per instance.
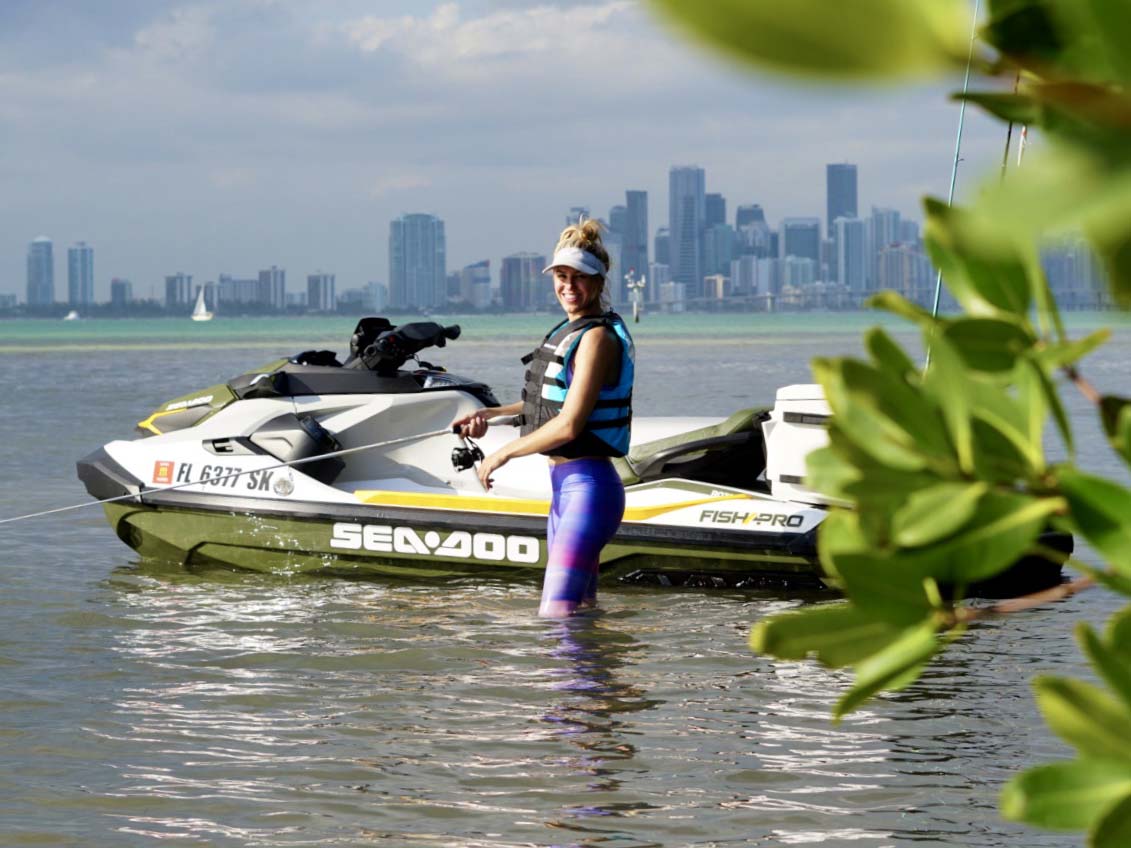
[575, 214]
[80, 274]
[744, 275]
[884, 230]
[320, 295]
[714, 210]
[522, 286]
[237, 292]
[179, 292]
[718, 248]
[475, 284]
[852, 254]
[662, 250]
[802, 237]
[618, 216]
[41, 272]
[418, 264]
[121, 293]
[840, 195]
[634, 256]
[749, 214]
[686, 223]
[272, 289]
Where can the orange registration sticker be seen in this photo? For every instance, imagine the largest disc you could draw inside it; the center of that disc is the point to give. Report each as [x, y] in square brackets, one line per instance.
[163, 472]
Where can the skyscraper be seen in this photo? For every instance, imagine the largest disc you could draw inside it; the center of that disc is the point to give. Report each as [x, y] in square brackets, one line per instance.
[80, 274]
[320, 296]
[635, 252]
[802, 237]
[272, 289]
[617, 217]
[852, 253]
[41, 272]
[121, 293]
[686, 222]
[840, 193]
[749, 214]
[178, 290]
[662, 251]
[521, 284]
[714, 210]
[575, 214]
[475, 284]
[418, 264]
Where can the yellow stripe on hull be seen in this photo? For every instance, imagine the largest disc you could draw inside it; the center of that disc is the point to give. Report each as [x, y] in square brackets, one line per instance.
[514, 506]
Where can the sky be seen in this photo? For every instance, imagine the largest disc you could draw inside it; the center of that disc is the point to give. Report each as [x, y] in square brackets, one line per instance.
[226, 136]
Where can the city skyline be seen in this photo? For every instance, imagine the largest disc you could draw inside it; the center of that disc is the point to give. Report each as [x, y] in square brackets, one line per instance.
[221, 136]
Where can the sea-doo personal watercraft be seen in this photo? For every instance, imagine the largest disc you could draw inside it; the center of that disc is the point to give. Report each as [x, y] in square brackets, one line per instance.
[311, 465]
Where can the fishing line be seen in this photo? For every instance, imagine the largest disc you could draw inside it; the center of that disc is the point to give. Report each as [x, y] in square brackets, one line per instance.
[957, 155]
[216, 480]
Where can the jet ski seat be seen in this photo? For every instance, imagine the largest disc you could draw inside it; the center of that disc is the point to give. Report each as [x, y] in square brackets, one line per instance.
[730, 453]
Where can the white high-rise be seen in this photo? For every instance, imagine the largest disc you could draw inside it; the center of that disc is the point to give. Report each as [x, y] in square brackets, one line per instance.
[418, 264]
[852, 253]
[80, 274]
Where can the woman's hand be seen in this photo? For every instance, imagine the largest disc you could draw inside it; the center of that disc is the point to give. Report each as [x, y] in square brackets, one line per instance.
[487, 466]
[473, 425]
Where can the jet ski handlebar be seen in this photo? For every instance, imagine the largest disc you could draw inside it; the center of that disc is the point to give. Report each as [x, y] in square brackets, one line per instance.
[379, 346]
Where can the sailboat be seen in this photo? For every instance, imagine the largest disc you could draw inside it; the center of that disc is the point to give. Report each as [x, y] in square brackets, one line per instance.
[200, 312]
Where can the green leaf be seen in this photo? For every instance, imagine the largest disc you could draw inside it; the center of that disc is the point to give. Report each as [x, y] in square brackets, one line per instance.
[936, 512]
[1114, 830]
[1019, 108]
[1066, 796]
[1113, 664]
[1099, 511]
[887, 355]
[1115, 413]
[1059, 354]
[1026, 32]
[832, 39]
[989, 344]
[983, 266]
[947, 381]
[1085, 717]
[836, 634]
[897, 304]
[894, 667]
[1118, 631]
[1052, 402]
[1004, 527]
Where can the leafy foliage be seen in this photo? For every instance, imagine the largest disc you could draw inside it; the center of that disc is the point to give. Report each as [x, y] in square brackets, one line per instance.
[942, 471]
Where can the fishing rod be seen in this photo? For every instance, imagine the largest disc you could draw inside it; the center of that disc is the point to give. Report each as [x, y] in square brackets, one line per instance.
[140, 495]
[957, 152]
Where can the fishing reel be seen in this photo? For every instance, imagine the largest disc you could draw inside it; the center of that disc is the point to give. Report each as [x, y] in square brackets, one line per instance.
[465, 457]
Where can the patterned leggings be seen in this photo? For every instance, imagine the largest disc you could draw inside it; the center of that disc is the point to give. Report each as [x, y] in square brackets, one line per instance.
[585, 511]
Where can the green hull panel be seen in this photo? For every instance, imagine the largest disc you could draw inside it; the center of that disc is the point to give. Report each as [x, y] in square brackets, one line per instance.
[293, 545]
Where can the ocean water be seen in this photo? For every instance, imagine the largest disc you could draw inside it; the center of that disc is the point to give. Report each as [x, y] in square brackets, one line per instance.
[141, 703]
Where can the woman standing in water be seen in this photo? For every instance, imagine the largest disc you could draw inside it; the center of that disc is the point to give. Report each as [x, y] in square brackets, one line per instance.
[577, 410]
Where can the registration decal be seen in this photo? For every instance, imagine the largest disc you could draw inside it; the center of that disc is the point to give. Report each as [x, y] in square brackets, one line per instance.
[163, 472]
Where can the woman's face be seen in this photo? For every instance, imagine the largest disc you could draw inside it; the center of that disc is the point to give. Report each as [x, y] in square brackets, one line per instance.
[576, 291]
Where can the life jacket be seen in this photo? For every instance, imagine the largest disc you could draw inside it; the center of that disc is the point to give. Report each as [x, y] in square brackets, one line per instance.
[547, 382]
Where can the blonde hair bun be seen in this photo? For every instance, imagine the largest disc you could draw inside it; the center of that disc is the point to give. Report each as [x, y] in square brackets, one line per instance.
[585, 234]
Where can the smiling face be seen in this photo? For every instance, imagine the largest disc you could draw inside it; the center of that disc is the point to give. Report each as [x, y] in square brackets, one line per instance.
[577, 292]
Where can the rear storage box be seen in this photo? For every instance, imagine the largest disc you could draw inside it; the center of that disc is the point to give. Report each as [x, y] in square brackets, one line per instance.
[797, 425]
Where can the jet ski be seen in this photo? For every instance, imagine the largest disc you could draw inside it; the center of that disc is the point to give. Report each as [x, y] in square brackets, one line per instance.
[309, 464]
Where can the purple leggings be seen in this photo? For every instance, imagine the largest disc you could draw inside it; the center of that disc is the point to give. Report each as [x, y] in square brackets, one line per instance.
[585, 511]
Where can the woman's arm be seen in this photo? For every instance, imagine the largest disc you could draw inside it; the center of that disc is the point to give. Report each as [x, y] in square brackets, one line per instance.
[474, 424]
[596, 356]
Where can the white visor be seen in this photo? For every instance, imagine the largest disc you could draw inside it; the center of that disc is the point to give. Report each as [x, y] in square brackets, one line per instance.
[579, 260]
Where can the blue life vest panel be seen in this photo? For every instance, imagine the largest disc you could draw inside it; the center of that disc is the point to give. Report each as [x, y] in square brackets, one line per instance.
[547, 382]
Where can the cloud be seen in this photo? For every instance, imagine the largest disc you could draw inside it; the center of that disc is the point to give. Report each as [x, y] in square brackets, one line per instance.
[495, 43]
[186, 33]
[401, 182]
